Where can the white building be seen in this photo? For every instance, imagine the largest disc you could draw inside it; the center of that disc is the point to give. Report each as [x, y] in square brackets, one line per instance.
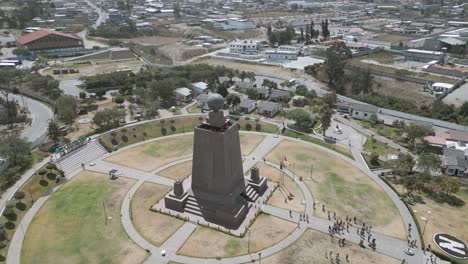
[183, 94]
[442, 87]
[247, 47]
[200, 87]
[276, 54]
[363, 111]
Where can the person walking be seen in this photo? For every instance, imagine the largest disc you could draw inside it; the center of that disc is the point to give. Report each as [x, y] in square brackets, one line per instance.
[347, 257]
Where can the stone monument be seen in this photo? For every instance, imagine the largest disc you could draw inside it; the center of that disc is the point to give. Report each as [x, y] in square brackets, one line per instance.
[218, 192]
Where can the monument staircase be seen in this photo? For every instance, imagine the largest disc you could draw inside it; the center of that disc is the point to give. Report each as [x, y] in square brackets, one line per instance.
[250, 194]
[191, 206]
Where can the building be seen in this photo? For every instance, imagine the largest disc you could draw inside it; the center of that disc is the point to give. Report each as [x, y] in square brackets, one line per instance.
[246, 106]
[183, 94]
[276, 54]
[268, 109]
[52, 42]
[244, 85]
[200, 87]
[423, 55]
[363, 111]
[454, 162]
[280, 96]
[442, 87]
[246, 47]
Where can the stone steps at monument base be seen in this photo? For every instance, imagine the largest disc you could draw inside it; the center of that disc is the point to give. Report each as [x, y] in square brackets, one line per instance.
[250, 194]
[85, 154]
[191, 206]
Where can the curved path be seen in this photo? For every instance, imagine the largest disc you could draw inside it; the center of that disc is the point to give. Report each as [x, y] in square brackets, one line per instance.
[385, 244]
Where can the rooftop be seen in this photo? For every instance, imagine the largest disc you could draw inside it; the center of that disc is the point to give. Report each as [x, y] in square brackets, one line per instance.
[25, 39]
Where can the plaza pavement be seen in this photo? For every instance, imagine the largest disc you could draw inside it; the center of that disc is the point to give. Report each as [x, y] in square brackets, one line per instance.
[385, 244]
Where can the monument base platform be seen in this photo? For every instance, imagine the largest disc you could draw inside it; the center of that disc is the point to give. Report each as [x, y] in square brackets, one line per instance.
[188, 208]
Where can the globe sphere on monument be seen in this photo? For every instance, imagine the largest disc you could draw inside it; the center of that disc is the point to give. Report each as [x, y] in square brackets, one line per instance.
[215, 101]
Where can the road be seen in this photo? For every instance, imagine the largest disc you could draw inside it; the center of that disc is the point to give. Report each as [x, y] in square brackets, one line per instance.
[40, 115]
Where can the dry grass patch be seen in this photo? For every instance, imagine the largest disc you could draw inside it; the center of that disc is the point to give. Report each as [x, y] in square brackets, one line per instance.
[249, 142]
[312, 246]
[266, 231]
[179, 171]
[151, 156]
[71, 228]
[153, 226]
[280, 194]
[342, 187]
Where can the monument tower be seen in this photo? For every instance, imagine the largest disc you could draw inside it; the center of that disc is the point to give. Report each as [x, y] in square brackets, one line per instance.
[218, 191]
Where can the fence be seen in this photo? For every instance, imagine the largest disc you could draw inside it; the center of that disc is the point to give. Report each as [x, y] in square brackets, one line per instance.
[434, 122]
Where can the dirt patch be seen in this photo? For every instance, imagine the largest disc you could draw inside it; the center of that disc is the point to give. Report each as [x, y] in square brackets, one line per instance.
[404, 90]
[80, 223]
[178, 172]
[151, 156]
[312, 246]
[153, 226]
[249, 142]
[343, 188]
[281, 193]
[266, 231]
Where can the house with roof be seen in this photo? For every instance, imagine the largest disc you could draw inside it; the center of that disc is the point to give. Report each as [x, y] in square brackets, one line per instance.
[268, 109]
[52, 42]
[183, 94]
[200, 87]
[202, 101]
[246, 106]
[244, 85]
[263, 93]
[280, 96]
[454, 162]
[363, 111]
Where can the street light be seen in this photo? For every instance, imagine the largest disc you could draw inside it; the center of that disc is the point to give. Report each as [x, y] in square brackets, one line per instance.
[248, 241]
[259, 257]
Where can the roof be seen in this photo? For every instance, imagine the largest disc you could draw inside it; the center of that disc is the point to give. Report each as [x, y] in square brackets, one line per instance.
[25, 39]
[434, 140]
[183, 91]
[364, 108]
[454, 157]
[202, 98]
[247, 103]
[268, 106]
[452, 41]
[425, 51]
[200, 85]
[443, 85]
[455, 135]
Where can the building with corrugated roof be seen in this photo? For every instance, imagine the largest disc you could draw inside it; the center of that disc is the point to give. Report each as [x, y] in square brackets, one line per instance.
[49, 41]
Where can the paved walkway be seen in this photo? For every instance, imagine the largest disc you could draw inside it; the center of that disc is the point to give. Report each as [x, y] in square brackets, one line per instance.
[386, 245]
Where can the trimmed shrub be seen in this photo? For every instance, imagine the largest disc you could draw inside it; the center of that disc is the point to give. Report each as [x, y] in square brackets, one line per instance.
[42, 172]
[248, 127]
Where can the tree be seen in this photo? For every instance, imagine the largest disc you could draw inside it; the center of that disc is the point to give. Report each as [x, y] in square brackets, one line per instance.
[325, 117]
[121, 5]
[66, 109]
[119, 100]
[243, 75]
[374, 159]
[53, 132]
[300, 116]
[19, 195]
[252, 93]
[312, 30]
[429, 162]
[415, 132]
[301, 90]
[301, 39]
[21, 52]
[373, 119]
[82, 95]
[362, 83]
[232, 100]
[109, 118]
[222, 90]
[176, 8]
[330, 99]
[336, 58]
[450, 184]
[404, 164]
[14, 148]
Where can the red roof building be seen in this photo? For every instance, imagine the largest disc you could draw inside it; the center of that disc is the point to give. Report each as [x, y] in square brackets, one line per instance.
[50, 41]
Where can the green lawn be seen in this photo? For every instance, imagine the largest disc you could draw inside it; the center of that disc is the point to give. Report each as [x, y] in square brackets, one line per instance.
[337, 188]
[338, 149]
[171, 126]
[381, 129]
[71, 226]
[373, 145]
